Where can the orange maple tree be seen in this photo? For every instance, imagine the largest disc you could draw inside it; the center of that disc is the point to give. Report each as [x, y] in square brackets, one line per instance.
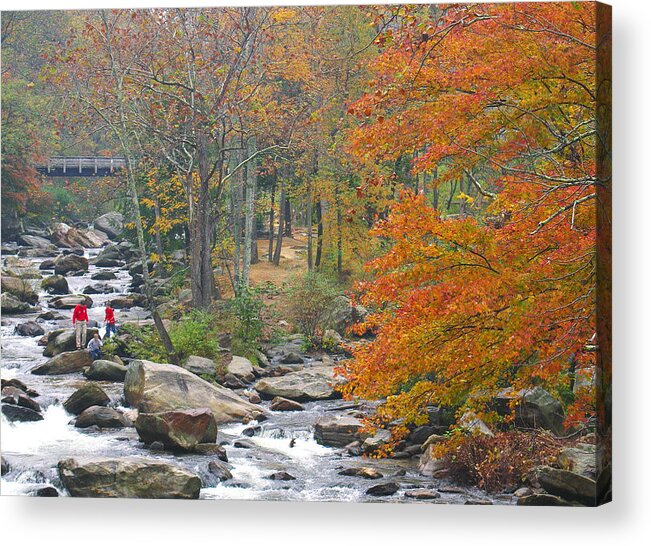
[504, 295]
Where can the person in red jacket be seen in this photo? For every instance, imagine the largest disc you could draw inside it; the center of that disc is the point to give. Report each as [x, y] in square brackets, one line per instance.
[109, 319]
[80, 322]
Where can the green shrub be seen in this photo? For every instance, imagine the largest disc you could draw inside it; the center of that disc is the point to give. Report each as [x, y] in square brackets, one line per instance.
[310, 299]
[193, 334]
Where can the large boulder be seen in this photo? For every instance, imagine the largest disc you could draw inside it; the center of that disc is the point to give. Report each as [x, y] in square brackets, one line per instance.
[91, 394]
[63, 363]
[102, 417]
[29, 329]
[36, 242]
[337, 431]
[534, 408]
[430, 464]
[565, 484]
[580, 459]
[154, 388]
[128, 477]
[20, 288]
[343, 314]
[106, 370]
[241, 368]
[61, 341]
[316, 383]
[11, 305]
[70, 263]
[67, 236]
[111, 223]
[181, 429]
[55, 284]
[71, 301]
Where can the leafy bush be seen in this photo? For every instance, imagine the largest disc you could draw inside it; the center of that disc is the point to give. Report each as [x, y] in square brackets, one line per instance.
[497, 463]
[193, 334]
[310, 298]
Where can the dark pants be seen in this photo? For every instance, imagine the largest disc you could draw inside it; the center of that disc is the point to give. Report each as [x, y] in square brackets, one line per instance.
[110, 328]
[96, 354]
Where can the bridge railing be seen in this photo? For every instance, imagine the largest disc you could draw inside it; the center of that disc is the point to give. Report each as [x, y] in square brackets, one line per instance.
[84, 163]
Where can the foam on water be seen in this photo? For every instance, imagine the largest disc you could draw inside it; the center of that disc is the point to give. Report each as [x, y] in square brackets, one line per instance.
[51, 435]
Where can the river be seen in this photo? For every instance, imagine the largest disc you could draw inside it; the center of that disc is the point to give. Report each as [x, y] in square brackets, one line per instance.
[33, 449]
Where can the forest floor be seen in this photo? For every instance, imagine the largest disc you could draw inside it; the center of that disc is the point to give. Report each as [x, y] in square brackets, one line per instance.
[271, 278]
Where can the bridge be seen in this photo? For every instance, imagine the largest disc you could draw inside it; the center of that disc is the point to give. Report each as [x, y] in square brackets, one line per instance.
[81, 166]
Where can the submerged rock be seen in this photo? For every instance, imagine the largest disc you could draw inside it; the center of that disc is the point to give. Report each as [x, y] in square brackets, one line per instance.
[128, 477]
[154, 388]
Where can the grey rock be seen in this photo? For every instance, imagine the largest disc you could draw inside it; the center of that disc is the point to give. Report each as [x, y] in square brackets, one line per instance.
[64, 363]
[106, 370]
[102, 417]
[89, 395]
[55, 284]
[29, 329]
[20, 414]
[128, 477]
[383, 489]
[153, 388]
[337, 431]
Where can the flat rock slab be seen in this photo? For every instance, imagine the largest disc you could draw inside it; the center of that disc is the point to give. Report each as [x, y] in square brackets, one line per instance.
[128, 477]
[63, 363]
[316, 383]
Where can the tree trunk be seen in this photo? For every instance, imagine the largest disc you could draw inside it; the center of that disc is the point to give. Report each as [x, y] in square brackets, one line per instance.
[270, 256]
[281, 226]
[319, 233]
[251, 182]
[121, 132]
[237, 197]
[202, 280]
[288, 218]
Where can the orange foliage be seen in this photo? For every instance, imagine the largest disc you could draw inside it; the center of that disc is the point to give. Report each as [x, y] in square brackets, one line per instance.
[500, 95]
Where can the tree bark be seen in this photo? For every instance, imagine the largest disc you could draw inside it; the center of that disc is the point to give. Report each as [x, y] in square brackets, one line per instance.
[251, 182]
[288, 217]
[270, 256]
[319, 233]
[281, 226]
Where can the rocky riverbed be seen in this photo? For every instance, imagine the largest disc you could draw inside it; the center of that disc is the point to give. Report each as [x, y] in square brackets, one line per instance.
[281, 433]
